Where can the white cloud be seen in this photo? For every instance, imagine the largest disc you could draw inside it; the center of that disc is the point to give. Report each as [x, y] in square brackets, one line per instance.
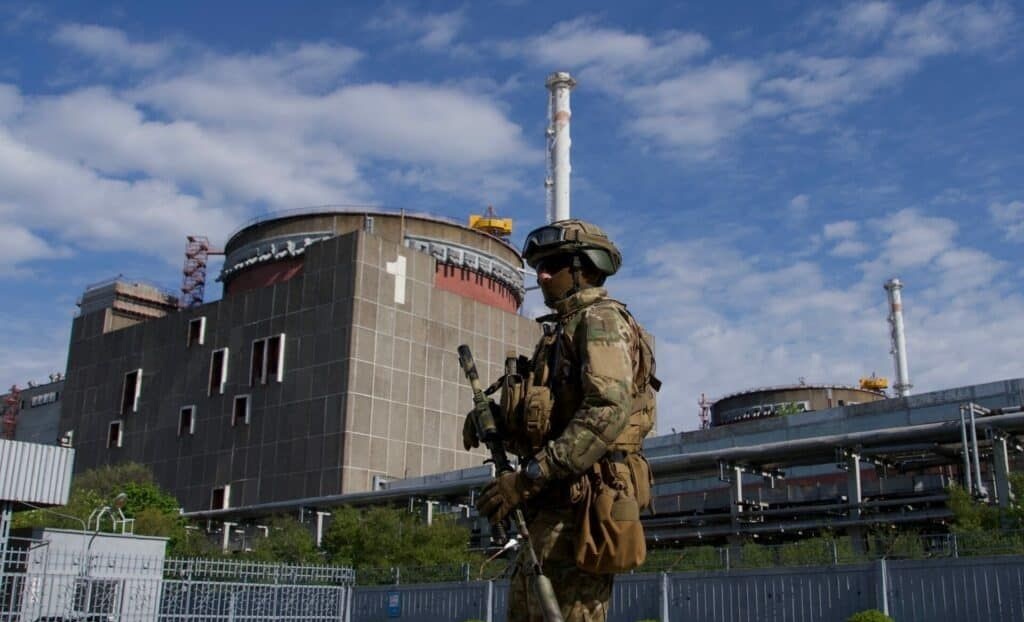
[434, 31]
[725, 320]
[22, 245]
[110, 45]
[800, 205]
[866, 19]
[581, 44]
[195, 145]
[692, 104]
[1010, 218]
[841, 229]
[939, 28]
[915, 239]
[849, 248]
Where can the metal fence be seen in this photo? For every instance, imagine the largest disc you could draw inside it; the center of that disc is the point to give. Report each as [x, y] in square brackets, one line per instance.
[932, 590]
[38, 583]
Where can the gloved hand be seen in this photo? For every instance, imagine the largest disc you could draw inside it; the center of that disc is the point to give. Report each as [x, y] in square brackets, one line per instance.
[503, 494]
[470, 438]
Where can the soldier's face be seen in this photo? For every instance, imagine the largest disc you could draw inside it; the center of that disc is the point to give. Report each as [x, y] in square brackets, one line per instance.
[554, 275]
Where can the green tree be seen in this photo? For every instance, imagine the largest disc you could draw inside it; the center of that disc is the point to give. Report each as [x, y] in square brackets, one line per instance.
[382, 537]
[155, 510]
[287, 541]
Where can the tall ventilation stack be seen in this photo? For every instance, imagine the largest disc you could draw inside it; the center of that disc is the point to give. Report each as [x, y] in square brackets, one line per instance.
[559, 85]
[899, 339]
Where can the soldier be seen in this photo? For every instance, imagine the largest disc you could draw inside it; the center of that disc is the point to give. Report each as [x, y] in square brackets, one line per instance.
[586, 406]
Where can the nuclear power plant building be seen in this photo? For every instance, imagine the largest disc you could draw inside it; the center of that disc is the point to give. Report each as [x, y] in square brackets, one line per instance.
[328, 365]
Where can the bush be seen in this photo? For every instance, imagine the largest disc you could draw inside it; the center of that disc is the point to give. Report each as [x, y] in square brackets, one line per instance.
[871, 615]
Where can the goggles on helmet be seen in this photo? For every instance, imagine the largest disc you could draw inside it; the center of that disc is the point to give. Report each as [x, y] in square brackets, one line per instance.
[544, 236]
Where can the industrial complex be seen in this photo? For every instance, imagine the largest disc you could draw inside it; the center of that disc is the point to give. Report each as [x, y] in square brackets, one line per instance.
[327, 375]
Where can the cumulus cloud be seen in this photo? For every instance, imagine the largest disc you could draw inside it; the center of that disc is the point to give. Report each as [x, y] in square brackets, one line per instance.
[800, 205]
[1010, 218]
[22, 245]
[738, 320]
[863, 20]
[590, 48]
[849, 248]
[692, 102]
[197, 144]
[433, 31]
[110, 45]
[841, 229]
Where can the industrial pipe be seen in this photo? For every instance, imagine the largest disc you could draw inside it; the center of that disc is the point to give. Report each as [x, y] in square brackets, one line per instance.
[968, 484]
[980, 487]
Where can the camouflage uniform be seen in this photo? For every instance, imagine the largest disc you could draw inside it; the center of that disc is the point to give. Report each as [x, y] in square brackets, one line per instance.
[590, 358]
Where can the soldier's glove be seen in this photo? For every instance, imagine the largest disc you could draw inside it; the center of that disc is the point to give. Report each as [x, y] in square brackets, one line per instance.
[503, 494]
[470, 438]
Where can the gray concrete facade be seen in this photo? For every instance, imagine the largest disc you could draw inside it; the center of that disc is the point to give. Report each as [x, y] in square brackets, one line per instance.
[370, 384]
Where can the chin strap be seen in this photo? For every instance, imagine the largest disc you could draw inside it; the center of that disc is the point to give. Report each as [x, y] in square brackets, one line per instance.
[577, 268]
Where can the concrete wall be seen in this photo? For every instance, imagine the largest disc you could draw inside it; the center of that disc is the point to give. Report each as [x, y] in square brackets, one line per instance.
[371, 386]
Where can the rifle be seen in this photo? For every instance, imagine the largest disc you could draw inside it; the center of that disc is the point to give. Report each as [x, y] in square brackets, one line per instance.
[487, 432]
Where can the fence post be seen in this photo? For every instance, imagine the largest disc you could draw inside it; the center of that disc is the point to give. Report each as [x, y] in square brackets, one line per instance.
[349, 600]
[489, 613]
[665, 611]
[882, 583]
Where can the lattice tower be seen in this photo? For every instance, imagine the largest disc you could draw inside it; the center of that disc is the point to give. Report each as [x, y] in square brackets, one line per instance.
[193, 286]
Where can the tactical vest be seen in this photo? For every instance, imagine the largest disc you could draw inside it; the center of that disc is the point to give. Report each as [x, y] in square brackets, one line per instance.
[540, 398]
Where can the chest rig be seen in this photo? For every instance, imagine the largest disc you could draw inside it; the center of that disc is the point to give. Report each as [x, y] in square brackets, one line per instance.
[545, 392]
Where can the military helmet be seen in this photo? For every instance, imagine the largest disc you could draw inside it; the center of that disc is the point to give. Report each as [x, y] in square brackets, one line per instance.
[572, 237]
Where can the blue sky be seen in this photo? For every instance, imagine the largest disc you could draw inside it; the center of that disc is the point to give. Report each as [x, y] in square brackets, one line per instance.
[765, 167]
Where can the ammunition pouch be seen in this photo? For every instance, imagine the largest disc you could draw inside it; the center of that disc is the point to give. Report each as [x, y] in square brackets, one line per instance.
[538, 404]
[513, 393]
[611, 495]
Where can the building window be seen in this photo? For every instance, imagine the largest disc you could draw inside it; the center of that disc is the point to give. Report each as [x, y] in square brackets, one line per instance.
[114, 434]
[267, 361]
[220, 498]
[187, 421]
[132, 391]
[44, 398]
[218, 371]
[196, 331]
[240, 412]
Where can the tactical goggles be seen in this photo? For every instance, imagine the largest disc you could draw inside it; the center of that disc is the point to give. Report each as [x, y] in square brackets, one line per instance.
[554, 263]
[544, 236]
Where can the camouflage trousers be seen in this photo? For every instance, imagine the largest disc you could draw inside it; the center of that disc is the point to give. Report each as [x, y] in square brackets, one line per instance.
[583, 597]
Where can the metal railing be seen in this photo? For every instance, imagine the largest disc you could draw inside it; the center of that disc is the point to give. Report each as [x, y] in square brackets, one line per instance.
[39, 581]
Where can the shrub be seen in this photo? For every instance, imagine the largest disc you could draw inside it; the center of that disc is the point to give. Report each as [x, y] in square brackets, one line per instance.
[871, 615]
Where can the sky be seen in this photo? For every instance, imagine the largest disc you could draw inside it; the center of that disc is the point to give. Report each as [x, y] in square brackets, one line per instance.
[764, 167]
